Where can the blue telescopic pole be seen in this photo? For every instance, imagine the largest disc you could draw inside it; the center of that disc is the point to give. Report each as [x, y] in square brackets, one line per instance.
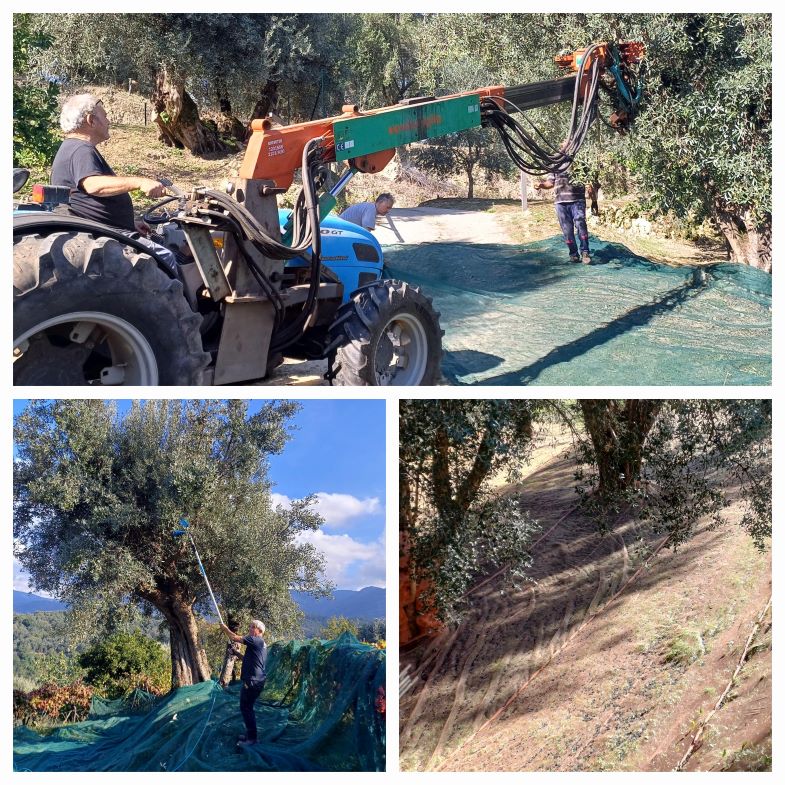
[184, 523]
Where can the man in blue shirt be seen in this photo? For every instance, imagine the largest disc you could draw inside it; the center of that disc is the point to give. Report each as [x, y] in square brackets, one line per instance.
[252, 675]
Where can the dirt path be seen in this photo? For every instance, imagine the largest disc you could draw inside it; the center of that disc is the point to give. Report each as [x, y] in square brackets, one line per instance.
[417, 225]
[583, 696]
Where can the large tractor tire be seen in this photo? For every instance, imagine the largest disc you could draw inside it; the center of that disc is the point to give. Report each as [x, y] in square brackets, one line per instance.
[389, 335]
[90, 310]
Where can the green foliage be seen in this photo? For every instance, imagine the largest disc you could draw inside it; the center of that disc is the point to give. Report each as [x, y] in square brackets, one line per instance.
[372, 632]
[688, 462]
[749, 757]
[124, 662]
[214, 642]
[217, 55]
[36, 636]
[60, 668]
[382, 58]
[44, 651]
[449, 451]
[672, 462]
[466, 151]
[700, 147]
[336, 626]
[97, 497]
[35, 99]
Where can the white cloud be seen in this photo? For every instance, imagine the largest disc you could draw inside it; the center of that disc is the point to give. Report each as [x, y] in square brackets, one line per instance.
[338, 508]
[280, 500]
[349, 564]
[21, 578]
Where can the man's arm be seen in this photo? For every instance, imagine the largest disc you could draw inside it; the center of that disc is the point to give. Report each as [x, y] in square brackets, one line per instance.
[232, 636]
[544, 185]
[112, 185]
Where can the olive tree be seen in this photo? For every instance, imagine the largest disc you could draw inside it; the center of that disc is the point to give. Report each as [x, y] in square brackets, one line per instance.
[676, 461]
[98, 494]
[184, 62]
[672, 463]
[382, 59]
[451, 521]
[466, 151]
[701, 146]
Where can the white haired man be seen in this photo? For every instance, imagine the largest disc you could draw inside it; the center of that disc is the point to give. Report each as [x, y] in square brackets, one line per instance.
[364, 214]
[97, 193]
[253, 675]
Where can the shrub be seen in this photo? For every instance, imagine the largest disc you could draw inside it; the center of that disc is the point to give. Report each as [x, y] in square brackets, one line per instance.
[123, 662]
[35, 99]
[50, 702]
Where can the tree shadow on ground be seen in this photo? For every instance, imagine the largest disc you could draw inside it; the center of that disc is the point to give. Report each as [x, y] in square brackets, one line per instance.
[576, 569]
[635, 317]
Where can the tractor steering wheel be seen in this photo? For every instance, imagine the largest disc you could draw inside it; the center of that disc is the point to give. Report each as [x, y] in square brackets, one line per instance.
[153, 217]
[165, 216]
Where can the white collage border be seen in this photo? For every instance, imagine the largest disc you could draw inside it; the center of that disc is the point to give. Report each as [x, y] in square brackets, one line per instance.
[392, 776]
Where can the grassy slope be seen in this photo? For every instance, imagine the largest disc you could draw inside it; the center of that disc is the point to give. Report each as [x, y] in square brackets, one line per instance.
[629, 689]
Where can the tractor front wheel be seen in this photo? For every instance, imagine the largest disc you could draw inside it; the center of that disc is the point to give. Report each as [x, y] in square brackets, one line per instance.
[389, 334]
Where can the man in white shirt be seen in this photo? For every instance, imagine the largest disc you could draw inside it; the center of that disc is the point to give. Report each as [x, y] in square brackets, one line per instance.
[364, 214]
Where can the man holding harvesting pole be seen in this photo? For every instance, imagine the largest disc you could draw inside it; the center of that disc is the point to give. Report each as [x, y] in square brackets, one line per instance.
[252, 675]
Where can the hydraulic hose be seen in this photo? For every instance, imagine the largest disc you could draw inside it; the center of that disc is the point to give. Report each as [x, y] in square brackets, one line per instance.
[530, 150]
[232, 216]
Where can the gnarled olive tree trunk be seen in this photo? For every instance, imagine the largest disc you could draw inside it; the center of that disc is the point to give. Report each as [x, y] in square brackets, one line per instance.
[177, 118]
[618, 431]
[228, 124]
[231, 655]
[268, 99]
[189, 661]
[748, 236]
[407, 584]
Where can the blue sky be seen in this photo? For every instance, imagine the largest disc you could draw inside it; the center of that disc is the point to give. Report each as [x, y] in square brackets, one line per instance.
[337, 451]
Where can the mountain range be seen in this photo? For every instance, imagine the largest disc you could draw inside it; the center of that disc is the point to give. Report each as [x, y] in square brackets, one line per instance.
[366, 604]
[27, 602]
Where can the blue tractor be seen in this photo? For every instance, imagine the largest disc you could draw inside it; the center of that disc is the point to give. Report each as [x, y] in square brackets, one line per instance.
[95, 306]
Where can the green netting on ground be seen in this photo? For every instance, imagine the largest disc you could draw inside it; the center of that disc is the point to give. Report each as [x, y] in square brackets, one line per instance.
[320, 711]
[527, 315]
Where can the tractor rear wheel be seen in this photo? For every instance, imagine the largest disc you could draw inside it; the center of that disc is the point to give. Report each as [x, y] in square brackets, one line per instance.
[90, 310]
[390, 335]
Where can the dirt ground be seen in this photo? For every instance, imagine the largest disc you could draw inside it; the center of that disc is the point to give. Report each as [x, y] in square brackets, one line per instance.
[608, 659]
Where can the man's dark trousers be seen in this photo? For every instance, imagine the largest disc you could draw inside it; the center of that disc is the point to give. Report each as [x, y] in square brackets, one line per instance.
[570, 215]
[249, 692]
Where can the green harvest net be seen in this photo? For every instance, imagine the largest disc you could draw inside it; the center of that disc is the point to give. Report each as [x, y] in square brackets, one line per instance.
[321, 710]
[527, 315]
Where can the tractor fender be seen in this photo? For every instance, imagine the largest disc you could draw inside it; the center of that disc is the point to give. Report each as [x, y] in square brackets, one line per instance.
[46, 223]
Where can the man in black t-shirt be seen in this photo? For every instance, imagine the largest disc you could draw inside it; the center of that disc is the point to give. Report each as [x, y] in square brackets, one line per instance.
[253, 675]
[97, 192]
